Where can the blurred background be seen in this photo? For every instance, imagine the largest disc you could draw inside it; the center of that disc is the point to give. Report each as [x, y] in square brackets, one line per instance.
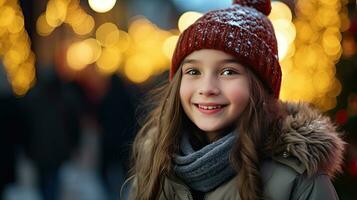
[73, 75]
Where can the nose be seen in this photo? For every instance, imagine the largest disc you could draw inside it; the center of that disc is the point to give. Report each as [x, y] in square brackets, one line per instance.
[209, 87]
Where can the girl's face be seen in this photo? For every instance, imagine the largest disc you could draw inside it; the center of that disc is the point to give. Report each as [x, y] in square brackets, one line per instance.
[214, 90]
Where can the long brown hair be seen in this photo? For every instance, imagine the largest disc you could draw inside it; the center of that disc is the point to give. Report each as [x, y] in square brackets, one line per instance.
[259, 123]
[158, 139]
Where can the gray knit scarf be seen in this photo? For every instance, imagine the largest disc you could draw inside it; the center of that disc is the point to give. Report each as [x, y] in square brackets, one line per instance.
[207, 168]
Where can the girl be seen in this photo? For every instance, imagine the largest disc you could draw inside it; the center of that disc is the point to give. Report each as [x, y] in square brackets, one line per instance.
[218, 130]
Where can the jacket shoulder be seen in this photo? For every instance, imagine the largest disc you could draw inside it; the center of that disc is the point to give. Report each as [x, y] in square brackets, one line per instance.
[281, 181]
[308, 141]
[278, 179]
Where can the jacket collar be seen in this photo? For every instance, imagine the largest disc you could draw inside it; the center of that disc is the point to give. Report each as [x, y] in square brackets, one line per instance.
[310, 138]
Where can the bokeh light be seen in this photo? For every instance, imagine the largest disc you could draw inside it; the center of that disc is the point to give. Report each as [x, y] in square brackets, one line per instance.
[15, 47]
[309, 70]
[107, 34]
[17, 24]
[56, 12]
[169, 46]
[187, 19]
[309, 44]
[83, 53]
[42, 27]
[138, 68]
[7, 15]
[101, 6]
[280, 11]
[285, 32]
[109, 61]
[85, 27]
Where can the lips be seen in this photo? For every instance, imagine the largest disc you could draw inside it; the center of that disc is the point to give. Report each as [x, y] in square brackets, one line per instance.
[210, 108]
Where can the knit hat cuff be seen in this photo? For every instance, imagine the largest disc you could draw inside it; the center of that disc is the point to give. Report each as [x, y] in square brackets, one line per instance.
[233, 40]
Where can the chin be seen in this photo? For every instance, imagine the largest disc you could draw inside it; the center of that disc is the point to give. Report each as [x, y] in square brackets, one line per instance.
[208, 129]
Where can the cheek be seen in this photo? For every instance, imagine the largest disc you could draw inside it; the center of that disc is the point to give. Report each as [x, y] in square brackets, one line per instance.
[239, 94]
[185, 92]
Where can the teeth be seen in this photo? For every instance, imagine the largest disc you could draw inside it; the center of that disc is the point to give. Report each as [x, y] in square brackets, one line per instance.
[209, 107]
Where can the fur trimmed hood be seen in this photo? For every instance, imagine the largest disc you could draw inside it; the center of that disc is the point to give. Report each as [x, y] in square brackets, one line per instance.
[311, 138]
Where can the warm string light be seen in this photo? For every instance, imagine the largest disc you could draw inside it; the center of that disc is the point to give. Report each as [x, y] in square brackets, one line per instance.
[145, 50]
[309, 46]
[309, 64]
[101, 6]
[138, 54]
[64, 11]
[15, 48]
[145, 56]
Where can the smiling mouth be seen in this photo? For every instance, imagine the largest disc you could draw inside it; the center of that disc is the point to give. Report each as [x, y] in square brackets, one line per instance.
[209, 107]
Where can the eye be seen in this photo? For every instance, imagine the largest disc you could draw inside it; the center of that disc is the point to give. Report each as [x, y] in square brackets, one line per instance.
[192, 72]
[229, 72]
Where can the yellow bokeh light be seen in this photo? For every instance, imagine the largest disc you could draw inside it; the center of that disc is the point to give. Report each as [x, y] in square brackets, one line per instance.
[333, 3]
[7, 15]
[29, 67]
[187, 19]
[345, 21]
[76, 16]
[291, 51]
[21, 82]
[286, 28]
[331, 44]
[286, 66]
[42, 27]
[318, 26]
[335, 89]
[138, 68]
[95, 48]
[79, 55]
[85, 27]
[123, 43]
[306, 8]
[13, 57]
[17, 25]
[2, 2]
[22, 50]
[109, 61]
[283, 45]
[3, 31]
[107, 34]
[280, 11]
[321, 82]
[327, 17]
[142, 30]
[56, 12]
[101, 6]
[73, 5]
[15, 49]
[169, 46]
[285, 34]
[305, 32]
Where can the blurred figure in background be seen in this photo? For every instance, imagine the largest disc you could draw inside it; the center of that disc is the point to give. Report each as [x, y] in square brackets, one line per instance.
[110, 108]
[116, 117]
[11, 136]
[52, 113]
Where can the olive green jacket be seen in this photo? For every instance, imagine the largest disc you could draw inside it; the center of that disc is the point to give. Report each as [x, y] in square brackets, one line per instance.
[308, 155]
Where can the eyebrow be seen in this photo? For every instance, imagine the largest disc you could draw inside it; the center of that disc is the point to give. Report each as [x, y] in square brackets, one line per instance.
[229, 60]
[189, 61]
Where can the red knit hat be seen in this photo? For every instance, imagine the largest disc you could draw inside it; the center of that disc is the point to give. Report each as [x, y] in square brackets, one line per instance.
[242, 30]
